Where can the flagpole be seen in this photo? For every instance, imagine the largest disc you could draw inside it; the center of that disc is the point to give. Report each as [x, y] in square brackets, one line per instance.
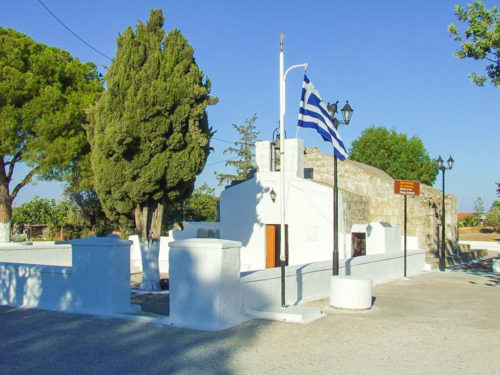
[283, 75]
[335, 257]
[282, 170]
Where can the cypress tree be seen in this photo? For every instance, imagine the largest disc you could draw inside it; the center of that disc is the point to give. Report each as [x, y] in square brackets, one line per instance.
[149, 132]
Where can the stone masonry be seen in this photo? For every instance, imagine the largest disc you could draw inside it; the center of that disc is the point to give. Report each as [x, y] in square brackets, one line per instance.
[368, 196]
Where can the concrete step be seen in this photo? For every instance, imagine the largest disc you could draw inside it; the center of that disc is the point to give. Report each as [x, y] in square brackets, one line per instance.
[289, 314]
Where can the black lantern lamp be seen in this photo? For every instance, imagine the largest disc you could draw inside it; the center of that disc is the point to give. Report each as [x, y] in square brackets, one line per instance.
[273, 195]
[442, 249]
[347, 113]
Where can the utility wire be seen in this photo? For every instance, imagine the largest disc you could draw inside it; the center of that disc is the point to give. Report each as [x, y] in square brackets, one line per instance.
[221, 140]
[217, 162]
[72, 32]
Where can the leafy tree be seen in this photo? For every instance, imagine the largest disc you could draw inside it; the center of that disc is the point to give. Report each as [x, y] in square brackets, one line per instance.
[43, 96]
[42, 211]
[85, 208]
[482, 39]
[478, 205]
[493, 219]
[244, 149]
[202, 205]
[149, 132]
[495, 205]
[395, 154]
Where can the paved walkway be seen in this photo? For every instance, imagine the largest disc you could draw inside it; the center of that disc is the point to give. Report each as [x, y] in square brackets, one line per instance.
[436, 323]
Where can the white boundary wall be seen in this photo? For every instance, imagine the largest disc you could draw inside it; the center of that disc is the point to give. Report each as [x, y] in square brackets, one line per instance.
[207, 291]
[192, 229]
[311, 282]
[48, 253]
[98, 282]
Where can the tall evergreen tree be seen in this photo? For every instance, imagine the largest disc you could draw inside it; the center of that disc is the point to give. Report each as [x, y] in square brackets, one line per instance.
[244, 151]
[149, 132]
[43, 96]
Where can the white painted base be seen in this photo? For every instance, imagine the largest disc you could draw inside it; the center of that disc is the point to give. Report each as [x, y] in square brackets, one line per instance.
[150, 252]
[496, 265]
[4, 232]
[347, 292]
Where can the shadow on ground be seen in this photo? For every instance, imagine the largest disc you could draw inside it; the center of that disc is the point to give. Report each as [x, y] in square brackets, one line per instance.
[38, 341]
[482, 268]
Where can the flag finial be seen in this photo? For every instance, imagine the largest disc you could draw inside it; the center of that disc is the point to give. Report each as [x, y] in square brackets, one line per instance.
[282, 38]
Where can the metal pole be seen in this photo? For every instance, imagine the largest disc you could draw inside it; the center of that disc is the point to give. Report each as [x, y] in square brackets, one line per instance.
[282, 170]
[335, 257]
[442, 259]
[283, 75]
[405, 237]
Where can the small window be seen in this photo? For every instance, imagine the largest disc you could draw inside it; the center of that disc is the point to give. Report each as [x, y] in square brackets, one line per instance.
[309, 173]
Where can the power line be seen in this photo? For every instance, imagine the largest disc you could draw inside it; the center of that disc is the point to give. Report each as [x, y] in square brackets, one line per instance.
[221, 140]
[217, 162]
[72, 32]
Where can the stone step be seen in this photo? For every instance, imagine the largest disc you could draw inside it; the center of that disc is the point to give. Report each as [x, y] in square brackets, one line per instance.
[432, 260]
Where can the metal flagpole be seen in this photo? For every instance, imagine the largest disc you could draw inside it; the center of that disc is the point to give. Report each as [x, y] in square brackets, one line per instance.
[282, 170]
[283, 75]
[335, 264]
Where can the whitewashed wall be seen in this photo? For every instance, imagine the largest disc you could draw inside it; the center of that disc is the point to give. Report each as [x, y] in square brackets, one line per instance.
[192, 229]
[246, 208]
[98, 282]
[309, 282]
[48, 253]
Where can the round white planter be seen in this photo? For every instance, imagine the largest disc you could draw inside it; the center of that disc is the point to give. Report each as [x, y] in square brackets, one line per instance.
[347, 292]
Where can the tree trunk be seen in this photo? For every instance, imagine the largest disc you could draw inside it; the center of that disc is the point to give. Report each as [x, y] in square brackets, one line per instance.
[5, 213]
[148, 220]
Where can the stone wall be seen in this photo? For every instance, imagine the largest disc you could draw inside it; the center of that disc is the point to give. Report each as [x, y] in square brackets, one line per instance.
[368, 195]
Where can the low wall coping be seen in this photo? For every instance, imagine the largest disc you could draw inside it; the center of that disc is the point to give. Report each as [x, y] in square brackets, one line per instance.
[37, 268]
[100, 241]
[207, 243]
[275, 273]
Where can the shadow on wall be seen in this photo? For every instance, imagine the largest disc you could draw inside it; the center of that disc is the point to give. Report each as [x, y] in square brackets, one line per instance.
[44, 287]
[241, 198]
[205, 288]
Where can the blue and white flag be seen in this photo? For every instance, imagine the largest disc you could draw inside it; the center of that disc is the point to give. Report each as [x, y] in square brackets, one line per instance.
[313, 113]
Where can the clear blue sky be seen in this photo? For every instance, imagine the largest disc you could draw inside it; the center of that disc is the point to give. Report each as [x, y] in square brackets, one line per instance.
[393, 60]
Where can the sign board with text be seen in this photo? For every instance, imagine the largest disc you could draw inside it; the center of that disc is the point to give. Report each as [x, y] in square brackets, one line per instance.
[406, 187]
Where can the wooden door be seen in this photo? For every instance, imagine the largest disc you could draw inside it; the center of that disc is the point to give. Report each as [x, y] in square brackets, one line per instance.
[273, 235]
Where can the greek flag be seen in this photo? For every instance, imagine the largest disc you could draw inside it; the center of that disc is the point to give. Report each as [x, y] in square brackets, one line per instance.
[314, 114]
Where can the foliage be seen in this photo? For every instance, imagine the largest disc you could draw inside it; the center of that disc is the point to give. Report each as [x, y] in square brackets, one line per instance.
[149, 131]
[468, 221]
[43, 96]
[86, 212]
[244, 149]
[482, 39]
[498, 188]
[495, 205]
[202, 205]
[493, 219]
[41, 211]
[395, 154]
[478, 205]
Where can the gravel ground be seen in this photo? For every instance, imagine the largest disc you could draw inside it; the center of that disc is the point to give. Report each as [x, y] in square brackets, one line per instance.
[435, 323]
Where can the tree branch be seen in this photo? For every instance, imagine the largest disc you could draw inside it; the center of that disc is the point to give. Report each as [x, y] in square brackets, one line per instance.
[17, 157]
[26, 180]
